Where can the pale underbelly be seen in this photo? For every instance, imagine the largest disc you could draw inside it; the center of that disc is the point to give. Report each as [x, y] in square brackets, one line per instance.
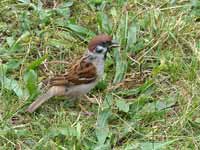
[79, 90]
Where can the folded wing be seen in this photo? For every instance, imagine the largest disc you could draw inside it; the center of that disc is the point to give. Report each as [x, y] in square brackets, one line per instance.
[82, 73]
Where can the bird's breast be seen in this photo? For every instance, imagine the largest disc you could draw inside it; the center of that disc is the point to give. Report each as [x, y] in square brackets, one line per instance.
[82, 89]
[100, 67]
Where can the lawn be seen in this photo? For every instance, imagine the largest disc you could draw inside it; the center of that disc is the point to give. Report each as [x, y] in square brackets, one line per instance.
[148, 98]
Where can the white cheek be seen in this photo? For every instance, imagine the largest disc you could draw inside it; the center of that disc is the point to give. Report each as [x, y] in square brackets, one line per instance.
[104, 49]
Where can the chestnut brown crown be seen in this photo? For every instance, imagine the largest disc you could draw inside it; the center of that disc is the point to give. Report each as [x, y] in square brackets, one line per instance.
[98, 40]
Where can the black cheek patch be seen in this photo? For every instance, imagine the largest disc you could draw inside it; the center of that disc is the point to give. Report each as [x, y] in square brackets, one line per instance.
[105, 55]
[99, 51]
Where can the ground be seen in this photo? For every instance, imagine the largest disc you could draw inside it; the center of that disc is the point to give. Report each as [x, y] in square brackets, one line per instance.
[149, 97]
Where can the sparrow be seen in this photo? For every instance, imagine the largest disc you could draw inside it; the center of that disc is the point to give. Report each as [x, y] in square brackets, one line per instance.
[82, 76]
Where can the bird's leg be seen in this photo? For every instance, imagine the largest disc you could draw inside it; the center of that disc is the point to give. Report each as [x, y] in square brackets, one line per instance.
[83, 109]
[91, 100]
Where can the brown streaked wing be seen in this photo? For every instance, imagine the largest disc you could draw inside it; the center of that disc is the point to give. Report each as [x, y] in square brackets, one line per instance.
[81, 73]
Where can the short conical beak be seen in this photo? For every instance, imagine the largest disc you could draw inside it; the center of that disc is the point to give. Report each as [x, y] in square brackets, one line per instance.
[114, 44]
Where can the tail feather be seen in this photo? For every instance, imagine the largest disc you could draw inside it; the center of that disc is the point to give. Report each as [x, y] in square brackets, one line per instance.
[53, 91]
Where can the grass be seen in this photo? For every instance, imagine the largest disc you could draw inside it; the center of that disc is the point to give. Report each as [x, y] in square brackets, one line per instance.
[148, 98]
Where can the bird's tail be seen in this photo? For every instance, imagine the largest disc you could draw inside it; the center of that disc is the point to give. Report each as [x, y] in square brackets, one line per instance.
[53, 91]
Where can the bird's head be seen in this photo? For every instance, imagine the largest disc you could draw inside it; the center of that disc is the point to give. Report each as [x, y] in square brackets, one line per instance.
[101, 44]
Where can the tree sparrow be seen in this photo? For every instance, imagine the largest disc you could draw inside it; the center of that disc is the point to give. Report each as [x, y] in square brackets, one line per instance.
[82, 76]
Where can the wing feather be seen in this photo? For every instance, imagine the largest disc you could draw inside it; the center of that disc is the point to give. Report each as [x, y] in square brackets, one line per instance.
[82, 73]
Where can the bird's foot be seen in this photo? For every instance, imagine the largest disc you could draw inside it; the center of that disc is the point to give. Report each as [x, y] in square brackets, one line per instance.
[85, 112]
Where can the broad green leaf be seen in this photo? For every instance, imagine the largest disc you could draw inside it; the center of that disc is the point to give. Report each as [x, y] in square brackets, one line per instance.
[103, 118]
[39, 5]
[22, 132]
[37, 62]
[24, 1]
[104, 23]
[113, 12]
[13, 64]
[63, 11]
[60, 22]
[45, 16]
[134, 91]
[30, 77]
[25, 22]
[102, 129]
[136, 145]
[121, 67]
[173, 2]
[131, 146]
[10, 41]
[3, 70]
[122, 105]
[66, 131]
[197, 120]
[67, 4]
[108, 101]
[3, 132]
[78, 130]
[131, 39]
[59, 43]
[16, 47]
[96, 1]
[83, 32]
[195, 3]
[12, 84]
[103, 147]
[101, 85]
[155, 145]
[102, 133]
[122, 31]
[157, 106]
[19, 132]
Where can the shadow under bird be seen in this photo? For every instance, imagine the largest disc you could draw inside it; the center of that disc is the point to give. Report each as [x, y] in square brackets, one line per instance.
[82, 76]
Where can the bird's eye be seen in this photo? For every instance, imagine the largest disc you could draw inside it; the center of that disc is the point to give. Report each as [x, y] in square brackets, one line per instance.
[104, 44]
